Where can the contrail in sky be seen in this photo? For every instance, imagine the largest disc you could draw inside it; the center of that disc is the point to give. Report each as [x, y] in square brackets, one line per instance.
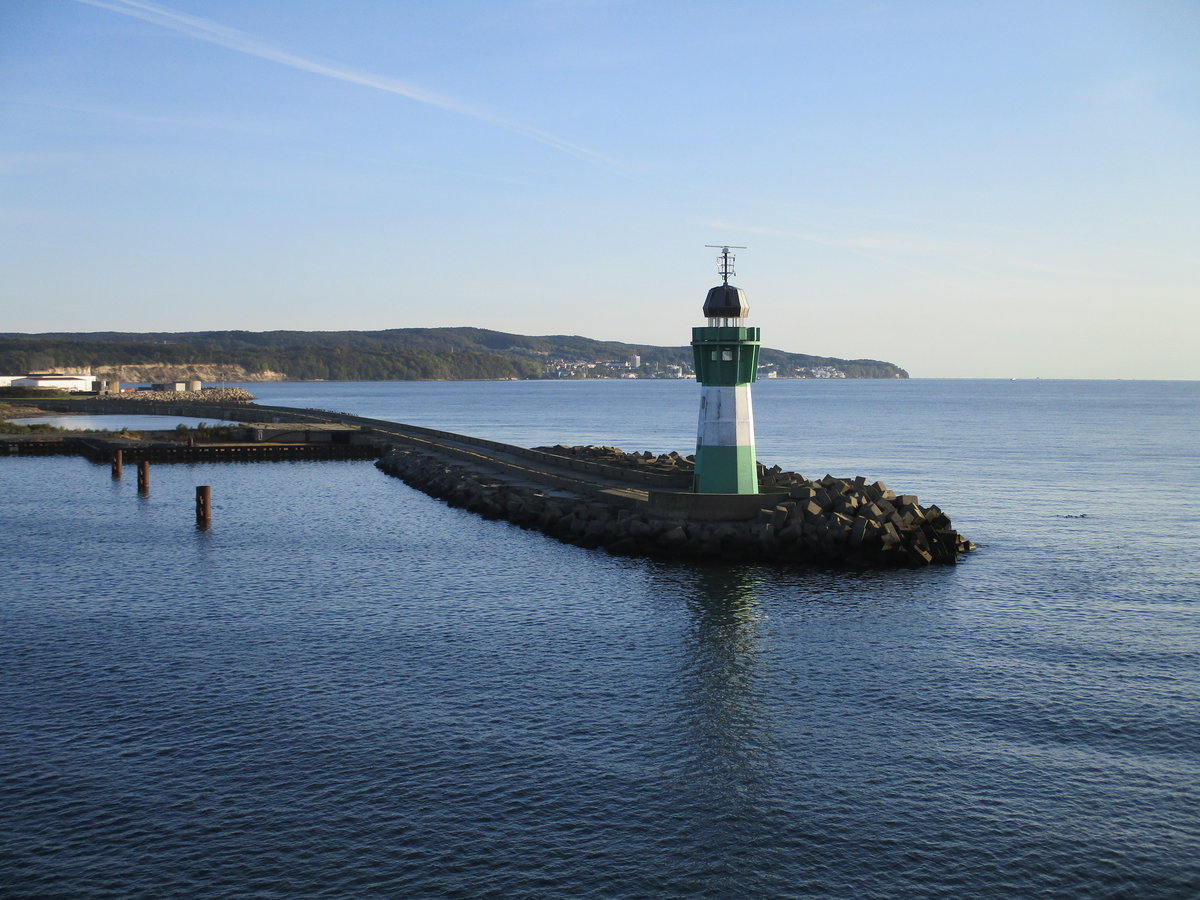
[232, 39]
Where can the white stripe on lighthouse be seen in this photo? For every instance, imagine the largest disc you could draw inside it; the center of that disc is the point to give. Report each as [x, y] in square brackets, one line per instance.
[726, 417]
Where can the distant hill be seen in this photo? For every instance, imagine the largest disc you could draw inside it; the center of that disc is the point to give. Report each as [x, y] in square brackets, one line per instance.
[397, 354]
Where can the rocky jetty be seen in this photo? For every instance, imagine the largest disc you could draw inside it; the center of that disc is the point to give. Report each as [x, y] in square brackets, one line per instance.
[831, 521]
[204, 395]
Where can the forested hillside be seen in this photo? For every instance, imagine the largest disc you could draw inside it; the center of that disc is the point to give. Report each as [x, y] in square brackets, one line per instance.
[401, 354]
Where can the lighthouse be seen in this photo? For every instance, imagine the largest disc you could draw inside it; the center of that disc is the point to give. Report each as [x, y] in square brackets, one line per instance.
[726, 359]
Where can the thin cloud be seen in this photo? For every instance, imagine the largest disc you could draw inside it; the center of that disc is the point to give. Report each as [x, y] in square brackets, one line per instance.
[232, 39]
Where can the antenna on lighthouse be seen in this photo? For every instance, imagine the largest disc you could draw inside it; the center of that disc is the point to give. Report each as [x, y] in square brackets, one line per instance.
[725, 260]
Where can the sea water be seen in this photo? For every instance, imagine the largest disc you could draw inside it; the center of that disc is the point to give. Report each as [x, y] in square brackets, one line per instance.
[347, 688]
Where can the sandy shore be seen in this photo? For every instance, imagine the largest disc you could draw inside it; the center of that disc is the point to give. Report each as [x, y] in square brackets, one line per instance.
[17, 411]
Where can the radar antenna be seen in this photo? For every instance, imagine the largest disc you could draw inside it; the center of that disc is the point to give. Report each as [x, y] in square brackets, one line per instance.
[725, 260]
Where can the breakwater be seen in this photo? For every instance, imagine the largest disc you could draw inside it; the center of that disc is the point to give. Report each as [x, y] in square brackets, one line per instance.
[635, 504]
[206, 395]
[832, 521]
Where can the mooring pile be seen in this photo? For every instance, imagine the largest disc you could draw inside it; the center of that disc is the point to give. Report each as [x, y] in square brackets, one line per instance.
[831, 521]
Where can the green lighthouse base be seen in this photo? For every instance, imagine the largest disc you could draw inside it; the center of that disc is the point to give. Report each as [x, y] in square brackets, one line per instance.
[726, 470]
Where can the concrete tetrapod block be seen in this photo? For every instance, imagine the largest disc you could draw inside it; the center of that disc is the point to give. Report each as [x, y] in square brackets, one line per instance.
[858, 531]
[873, 512]
[889, 536]
[865, 533]
[840, 527]
[846, 503]
[919, 556]
[937, 518]
[944, 545]
[812, 509]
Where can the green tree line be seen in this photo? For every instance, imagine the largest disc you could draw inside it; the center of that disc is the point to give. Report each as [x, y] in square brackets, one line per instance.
[401, 354]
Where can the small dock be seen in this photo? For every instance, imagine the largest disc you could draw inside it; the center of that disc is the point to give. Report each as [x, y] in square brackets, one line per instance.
[299, 443]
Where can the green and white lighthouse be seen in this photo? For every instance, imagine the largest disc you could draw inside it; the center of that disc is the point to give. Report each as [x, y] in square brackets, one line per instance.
[726, 359]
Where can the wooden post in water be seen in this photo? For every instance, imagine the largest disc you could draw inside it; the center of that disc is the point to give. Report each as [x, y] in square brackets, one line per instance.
[117, 458]
[203, 505]
[144, 476]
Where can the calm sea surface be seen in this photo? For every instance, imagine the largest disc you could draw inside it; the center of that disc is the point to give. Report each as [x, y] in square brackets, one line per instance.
[347, 689]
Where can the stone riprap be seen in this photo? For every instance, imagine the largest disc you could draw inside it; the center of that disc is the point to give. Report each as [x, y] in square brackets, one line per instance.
[832, 521]
[204, 395]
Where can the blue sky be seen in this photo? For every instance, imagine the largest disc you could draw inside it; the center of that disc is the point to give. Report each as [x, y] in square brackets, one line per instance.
[968, 189]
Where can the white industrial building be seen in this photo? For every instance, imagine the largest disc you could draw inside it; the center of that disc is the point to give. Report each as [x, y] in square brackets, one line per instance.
[55, 380]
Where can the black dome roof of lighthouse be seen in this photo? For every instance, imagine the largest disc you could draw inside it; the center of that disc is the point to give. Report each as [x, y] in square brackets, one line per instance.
[726, 302]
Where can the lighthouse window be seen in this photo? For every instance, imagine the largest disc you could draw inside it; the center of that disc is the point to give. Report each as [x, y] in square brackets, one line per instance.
[714, 355]
[727, 355]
